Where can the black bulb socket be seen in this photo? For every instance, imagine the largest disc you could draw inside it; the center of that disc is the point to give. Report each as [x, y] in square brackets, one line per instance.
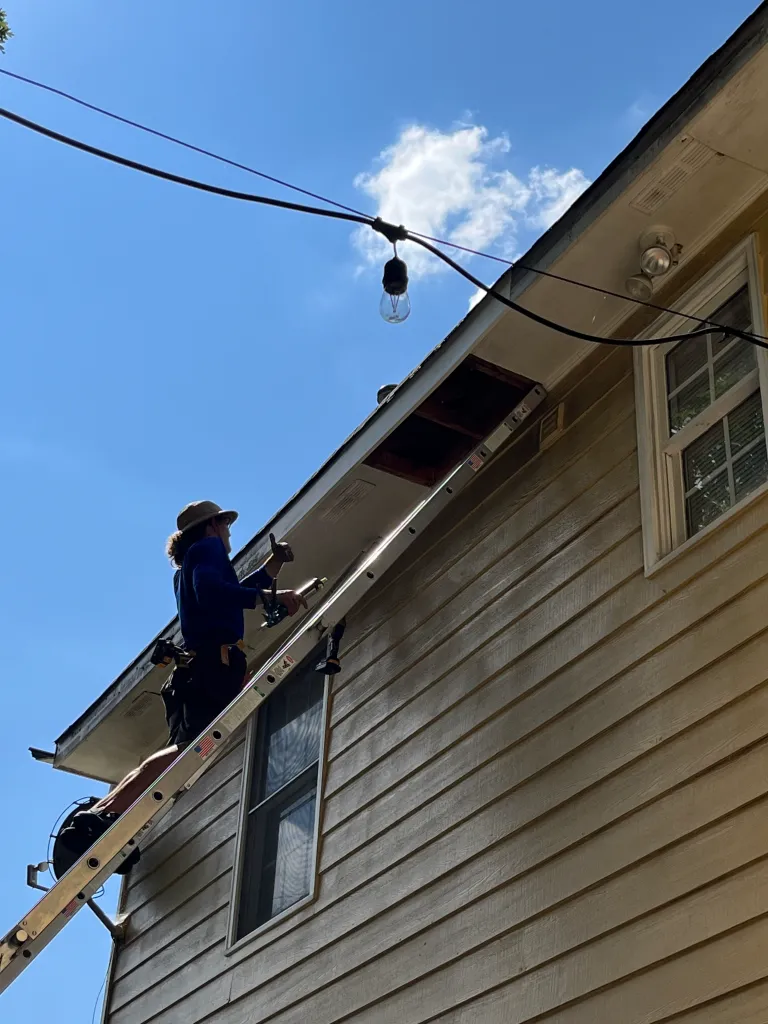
[395, 279]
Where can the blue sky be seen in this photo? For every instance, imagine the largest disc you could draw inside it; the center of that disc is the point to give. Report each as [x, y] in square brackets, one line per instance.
[160, 345]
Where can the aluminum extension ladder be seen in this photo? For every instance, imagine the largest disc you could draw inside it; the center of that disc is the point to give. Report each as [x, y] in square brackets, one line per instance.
[62, 901]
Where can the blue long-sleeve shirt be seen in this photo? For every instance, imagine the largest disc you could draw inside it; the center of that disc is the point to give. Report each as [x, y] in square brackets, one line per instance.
[210, 598]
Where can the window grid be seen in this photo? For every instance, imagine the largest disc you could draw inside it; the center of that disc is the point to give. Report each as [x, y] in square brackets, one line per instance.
[683, 393]
[736, 310]
[747, 415]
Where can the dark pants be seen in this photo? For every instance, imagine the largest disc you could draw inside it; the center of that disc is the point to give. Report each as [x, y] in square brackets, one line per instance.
[194, 696]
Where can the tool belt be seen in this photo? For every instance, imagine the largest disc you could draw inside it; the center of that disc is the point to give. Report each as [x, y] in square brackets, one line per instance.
[166, 653]
[176, 687]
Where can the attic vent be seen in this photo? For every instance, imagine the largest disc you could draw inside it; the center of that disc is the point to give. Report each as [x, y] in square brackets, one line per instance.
[551, 426]
[695, 154]
[141, 705]
[352, 495]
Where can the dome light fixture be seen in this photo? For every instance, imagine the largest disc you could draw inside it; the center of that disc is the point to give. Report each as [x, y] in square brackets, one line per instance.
[656, 260]
[659, 252]
[640, 286]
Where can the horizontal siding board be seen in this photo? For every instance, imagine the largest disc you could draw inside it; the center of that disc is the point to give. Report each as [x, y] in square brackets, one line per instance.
[668, 932]
[516, 476]
[463, 942]
[567, 801]
[171, 931]
[572, 542]
[152, 870]
[540, 564]
[531, 779]
[580, 866]
[694, 863]
[207, 785]
[529, 488]
[527, 520]
[167, 876]
[592, 708]
[493, 625]
[581, 862]
[718, 738]
[205, 870]
[698, 976]
[149, 982]
[665, 619]
[748, 1005]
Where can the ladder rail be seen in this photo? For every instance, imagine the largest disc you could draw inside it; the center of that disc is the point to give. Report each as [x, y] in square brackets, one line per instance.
[72, 891]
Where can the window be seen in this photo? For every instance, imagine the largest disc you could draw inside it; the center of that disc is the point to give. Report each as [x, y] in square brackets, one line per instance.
[701, 410]
[277, 862]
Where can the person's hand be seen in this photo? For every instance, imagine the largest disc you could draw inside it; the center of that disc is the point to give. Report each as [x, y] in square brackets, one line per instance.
[292, 600]
[281, 551]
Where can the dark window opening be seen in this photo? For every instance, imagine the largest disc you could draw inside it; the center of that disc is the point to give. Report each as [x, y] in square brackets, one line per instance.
[279, 851]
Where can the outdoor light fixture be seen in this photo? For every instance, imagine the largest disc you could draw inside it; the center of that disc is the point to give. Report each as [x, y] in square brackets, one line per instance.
[659, 252]
[656, 260]
[395, 304]
[640, 286]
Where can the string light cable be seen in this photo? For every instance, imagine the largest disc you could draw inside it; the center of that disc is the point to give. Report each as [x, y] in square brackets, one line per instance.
[391, 232]
[332, 202]
[177, 142]
[601, 290]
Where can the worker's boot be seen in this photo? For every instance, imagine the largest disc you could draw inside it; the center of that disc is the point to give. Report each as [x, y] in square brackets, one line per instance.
[79, 834]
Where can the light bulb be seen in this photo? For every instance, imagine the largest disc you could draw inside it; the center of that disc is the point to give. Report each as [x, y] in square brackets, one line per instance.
[395, 308]
[639, 286]
[395, 305]
[656, 260]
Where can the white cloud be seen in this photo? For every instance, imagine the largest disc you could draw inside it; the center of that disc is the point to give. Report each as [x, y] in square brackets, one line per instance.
[475, 297]
[554, 192]
[449, 184]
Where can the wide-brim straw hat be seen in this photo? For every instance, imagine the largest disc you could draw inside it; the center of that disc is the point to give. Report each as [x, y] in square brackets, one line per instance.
[197, 512]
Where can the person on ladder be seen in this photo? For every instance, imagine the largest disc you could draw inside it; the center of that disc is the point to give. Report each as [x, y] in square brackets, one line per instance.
[210, 601]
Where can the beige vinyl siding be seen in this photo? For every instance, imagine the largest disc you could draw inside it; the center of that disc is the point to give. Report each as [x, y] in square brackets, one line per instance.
[546, 789]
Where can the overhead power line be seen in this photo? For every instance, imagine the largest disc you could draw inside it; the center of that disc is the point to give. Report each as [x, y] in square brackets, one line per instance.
[413, 235]
[391, 232]
[178, 142]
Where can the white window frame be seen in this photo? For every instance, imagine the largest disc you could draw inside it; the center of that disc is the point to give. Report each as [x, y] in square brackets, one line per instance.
[659, 456]
[250, 760]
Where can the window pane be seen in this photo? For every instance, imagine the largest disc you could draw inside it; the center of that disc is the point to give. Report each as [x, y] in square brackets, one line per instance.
[292, 736]
[733, 313]
[288, 854]
[688, 402]
[745, 423]
[706, 504]
[279, 855]
[750, 470]
[704, 456]
[684, 360]
[707, 367]
[736, 363]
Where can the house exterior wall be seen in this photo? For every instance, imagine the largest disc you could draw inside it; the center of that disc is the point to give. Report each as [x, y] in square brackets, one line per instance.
[546, 777]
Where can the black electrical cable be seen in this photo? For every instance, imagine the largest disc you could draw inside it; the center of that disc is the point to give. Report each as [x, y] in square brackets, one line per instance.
[178, 142]
[350, 209]
[414, 235]
[390, 231]
[177, 178]
[570, 332]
